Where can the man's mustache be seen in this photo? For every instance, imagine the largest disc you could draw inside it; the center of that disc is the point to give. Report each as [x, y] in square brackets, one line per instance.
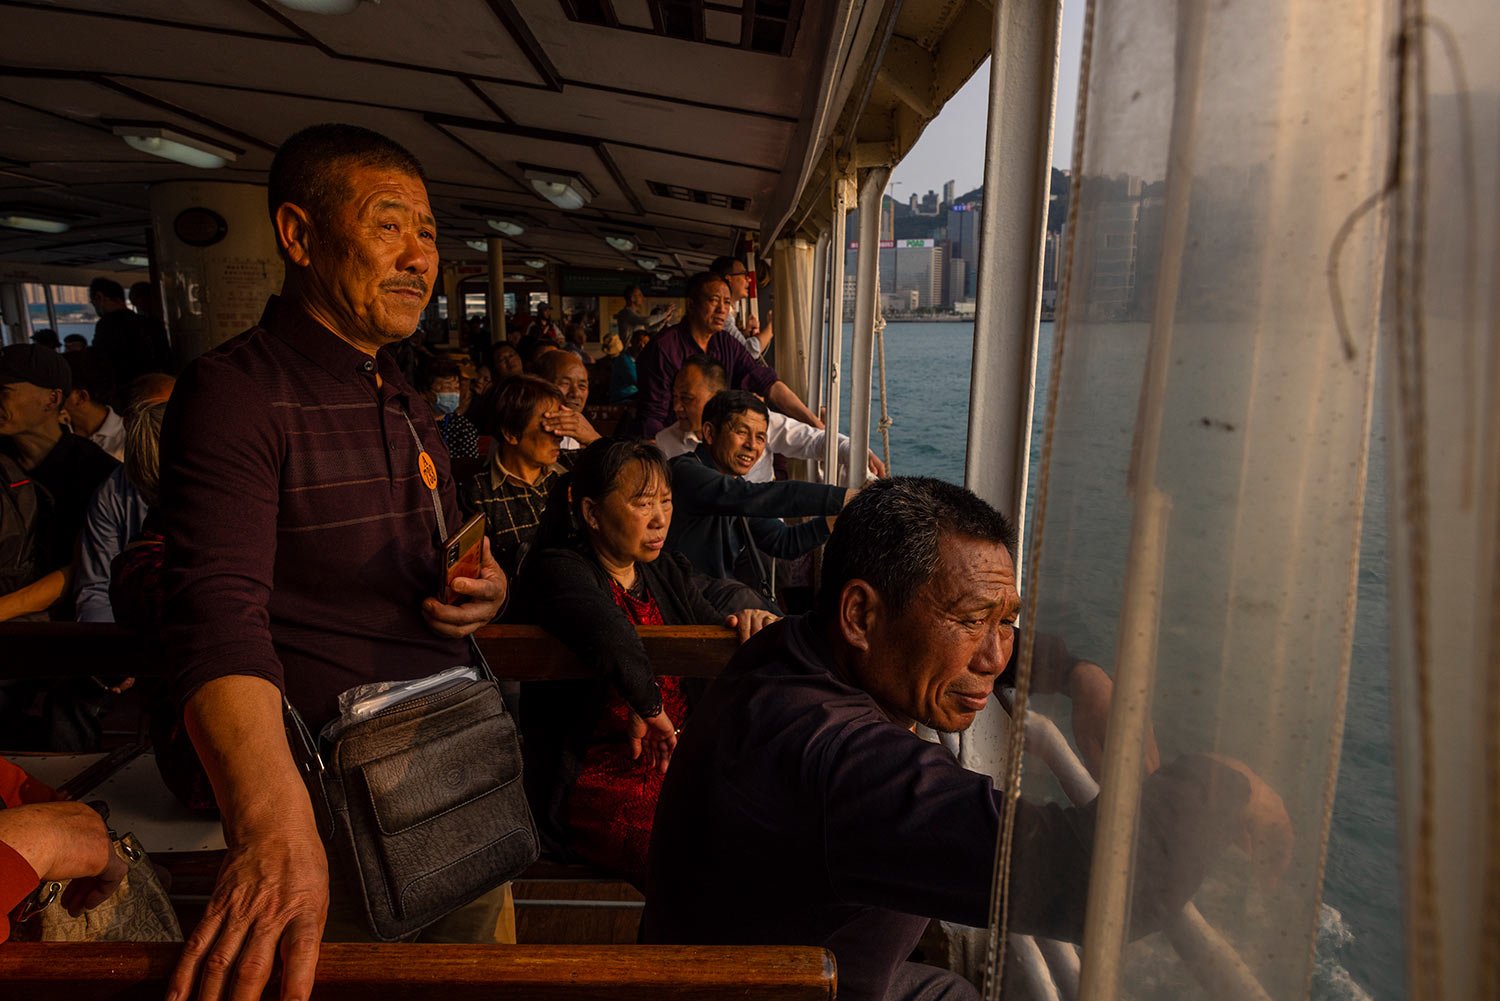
[411, 283]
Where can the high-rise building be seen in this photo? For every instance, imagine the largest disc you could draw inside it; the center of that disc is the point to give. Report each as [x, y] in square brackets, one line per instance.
[912, 203]
[888, 218]
[908, 266]
[929, 204]
[948, 193]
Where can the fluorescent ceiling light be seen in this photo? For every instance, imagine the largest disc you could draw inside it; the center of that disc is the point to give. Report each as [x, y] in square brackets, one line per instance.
[565, 190]
[647, 263]
[31, 223]
[517, 277]
[321, 6]
[663, 276]
[169, 144]
[535, 262]
[136, 260]
[623, 244]
[478, 244]
[506, 227]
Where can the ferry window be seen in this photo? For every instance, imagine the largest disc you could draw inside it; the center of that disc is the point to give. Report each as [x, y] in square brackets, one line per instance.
[63, 308]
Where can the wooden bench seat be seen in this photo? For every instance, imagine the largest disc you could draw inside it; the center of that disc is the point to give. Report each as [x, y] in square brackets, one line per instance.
[359, 972]
[515, 653]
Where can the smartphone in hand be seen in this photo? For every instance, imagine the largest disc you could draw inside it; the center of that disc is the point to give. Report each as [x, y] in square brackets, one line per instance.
[461, 556]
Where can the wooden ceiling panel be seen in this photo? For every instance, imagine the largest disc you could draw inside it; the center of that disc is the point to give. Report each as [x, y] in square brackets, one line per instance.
[672, 68]
[275, 118]
[226, 15]
[465, 38]
[60, 41]
[689, 175]
[648, 121]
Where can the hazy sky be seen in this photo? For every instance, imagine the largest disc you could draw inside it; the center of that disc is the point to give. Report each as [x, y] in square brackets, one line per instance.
[953, 145]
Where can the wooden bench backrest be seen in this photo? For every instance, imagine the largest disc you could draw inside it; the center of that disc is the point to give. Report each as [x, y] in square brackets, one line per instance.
[359, 972]
[518, 653]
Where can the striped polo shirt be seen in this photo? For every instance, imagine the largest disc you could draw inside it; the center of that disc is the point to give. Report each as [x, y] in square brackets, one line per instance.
[300, 536]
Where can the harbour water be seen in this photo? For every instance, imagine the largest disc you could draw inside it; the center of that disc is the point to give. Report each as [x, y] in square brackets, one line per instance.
[1359, 949]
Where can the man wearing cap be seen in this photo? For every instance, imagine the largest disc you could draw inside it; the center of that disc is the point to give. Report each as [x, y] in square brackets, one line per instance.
[33, 384]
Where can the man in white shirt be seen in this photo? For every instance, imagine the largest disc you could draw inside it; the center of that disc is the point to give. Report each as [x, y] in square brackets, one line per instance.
[87, 406]
[696, 383]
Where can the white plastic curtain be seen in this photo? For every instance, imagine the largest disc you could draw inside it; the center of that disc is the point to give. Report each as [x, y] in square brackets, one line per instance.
[1443, 329]
[1197, 522]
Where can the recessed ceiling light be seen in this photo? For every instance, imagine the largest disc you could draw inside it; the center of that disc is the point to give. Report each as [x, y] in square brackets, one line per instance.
[506, 227]
[322, 6]
[623, 244]
[478, 244]
[647, 263]
[31, 223]
[564, 189]
[171, 144]
[535, 262]
[136, 260]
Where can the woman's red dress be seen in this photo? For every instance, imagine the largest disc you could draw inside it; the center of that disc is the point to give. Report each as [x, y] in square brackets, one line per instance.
[612, 804]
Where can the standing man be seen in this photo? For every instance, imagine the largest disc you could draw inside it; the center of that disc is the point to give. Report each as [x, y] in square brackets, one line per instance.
[120, 336]
[633, 316]
[736, 275]
[302, 543]
[702, 332]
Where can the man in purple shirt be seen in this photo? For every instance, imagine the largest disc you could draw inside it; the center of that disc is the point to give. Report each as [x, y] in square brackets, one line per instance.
[702, 332]
[302, 479]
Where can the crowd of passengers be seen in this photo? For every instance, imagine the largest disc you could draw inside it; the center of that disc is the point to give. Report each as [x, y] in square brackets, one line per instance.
[276, 516]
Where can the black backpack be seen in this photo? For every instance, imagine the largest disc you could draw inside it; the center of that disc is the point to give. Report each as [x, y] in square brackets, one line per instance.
[24, 507]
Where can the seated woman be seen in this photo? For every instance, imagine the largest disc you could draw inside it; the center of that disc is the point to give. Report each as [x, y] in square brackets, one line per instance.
[596, 750]
[524, 464]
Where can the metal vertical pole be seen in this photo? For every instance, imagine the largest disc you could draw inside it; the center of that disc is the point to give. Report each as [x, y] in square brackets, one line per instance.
[51, 310]
[1012, 234]
[495, 254]
[866, 295]
[832, 393]
[817, 335]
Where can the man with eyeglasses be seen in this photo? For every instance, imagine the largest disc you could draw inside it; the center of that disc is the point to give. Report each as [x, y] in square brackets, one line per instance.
[736, 275]
[702, 332]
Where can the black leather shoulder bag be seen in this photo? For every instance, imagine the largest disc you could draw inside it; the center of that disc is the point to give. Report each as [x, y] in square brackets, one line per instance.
[421, 804]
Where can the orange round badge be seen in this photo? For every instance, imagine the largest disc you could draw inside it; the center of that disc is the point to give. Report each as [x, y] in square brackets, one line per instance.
[429, 471]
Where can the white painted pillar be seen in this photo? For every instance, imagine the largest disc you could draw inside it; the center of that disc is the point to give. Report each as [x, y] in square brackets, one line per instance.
[817, 332]
[834, 385]
[866, 296]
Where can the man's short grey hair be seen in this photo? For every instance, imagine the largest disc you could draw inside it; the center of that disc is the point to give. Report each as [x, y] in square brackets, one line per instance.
[888, 536]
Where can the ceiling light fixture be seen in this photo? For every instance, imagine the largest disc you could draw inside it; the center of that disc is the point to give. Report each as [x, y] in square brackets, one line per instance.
[322, 6]
[623, 244]
[135, 260]
[31, 223]
[535, 262]
[663, 276]
[566, 190]
[647, 263]
[506, 228]
[478, 244]
[517, 277]
[172, 144]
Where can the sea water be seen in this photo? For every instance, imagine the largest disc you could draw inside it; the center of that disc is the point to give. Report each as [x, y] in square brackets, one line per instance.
[1359, 948]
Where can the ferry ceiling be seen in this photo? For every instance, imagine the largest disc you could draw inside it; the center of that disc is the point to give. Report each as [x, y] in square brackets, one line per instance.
[685, 124]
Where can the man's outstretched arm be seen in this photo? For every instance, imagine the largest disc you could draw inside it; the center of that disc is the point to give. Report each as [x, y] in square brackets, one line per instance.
[272, 892]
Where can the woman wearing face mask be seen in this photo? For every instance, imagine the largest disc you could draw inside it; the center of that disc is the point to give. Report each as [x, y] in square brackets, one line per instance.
[444, 393]
[596, 750]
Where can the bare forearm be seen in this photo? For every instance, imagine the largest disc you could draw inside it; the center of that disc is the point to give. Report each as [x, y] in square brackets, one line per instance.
[38, 596]
[236, 725]
[782, 397]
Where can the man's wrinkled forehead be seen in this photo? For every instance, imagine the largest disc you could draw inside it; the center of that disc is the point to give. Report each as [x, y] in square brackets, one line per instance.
[971, 573]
